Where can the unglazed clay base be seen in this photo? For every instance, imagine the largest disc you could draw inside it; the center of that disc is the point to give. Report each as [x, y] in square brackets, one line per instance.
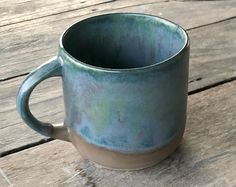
[123, 161]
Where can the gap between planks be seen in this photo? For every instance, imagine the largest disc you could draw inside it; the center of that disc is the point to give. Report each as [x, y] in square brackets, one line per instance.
[208, 24]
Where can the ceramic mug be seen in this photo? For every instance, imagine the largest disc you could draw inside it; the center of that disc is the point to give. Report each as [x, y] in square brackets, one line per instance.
[125, 79]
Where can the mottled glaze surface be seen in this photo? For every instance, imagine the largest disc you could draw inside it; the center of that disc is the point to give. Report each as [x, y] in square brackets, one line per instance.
[135, 105]
[122, 41]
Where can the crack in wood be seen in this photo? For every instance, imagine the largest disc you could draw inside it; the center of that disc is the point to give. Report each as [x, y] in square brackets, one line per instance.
[70, 179]
[211, 85]
[5, 178]
[195, 79]
[212, 23]
[82, 173]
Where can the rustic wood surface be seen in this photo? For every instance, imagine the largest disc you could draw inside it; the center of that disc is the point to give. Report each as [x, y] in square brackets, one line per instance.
[29, 32]
[213, 54]
[46, 104]
[205, 157]
[23, 10]
[12, 12]
[212, 60]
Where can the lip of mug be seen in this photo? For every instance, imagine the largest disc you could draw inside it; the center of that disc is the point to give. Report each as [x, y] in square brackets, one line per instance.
[138, 69]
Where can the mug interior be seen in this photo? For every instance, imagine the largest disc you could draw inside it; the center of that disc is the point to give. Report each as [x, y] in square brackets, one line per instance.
[123, 41]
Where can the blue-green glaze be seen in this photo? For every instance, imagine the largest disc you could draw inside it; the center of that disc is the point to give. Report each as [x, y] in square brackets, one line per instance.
[124, 81]
[49, 69]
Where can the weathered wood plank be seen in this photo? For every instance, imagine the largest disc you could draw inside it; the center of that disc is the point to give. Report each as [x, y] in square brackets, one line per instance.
[25, 45]
[206, 156]
[213, 56]
[46, 103]
[212, 60]
[33, 42]
[18, 11]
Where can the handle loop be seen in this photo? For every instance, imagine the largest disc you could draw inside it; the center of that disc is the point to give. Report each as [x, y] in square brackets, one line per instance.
[51, 68]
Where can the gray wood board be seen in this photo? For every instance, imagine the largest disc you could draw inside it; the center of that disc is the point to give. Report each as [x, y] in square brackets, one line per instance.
[26, 45]
[46, 104]
[213, 57]
[16, 11]
[206, 156]
[208, 61]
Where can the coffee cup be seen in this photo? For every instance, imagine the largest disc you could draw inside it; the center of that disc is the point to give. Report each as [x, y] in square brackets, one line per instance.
[125, 81]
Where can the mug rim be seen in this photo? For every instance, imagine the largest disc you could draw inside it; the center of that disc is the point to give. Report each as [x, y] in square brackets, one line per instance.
[119, 70]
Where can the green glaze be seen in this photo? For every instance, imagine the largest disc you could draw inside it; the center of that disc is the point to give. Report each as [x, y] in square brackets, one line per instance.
[50, 69]
[124, 81]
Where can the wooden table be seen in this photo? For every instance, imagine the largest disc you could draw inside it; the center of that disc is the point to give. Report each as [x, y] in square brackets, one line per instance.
[29, 33]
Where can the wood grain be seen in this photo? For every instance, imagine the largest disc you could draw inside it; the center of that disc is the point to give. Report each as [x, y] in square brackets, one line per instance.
[212, 60]
[206, 156]
[26, 45]
[213, 56]
[46, 103]
[31, 43]
[12, 12]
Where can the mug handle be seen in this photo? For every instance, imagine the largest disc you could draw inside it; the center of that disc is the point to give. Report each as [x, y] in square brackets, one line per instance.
[52, 68]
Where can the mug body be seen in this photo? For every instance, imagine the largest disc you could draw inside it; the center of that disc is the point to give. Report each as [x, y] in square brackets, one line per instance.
[125, 79]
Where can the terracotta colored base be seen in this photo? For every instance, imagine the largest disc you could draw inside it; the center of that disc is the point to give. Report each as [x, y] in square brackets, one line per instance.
[123, 161]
